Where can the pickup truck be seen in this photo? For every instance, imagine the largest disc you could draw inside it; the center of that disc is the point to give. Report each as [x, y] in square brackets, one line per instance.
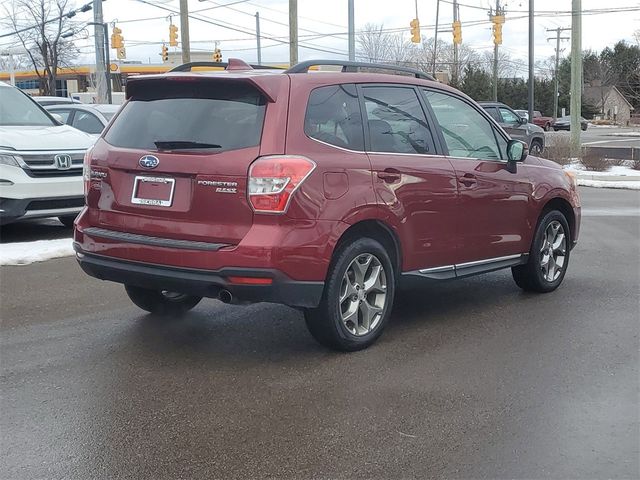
[544, 122]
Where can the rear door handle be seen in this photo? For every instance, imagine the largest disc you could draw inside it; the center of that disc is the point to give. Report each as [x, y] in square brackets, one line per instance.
[468, 179]
[389, 175]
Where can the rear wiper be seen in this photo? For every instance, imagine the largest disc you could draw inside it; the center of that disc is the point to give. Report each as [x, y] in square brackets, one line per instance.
[183, 145]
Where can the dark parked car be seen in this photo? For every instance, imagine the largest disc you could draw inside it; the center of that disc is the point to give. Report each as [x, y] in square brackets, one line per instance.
[516, 126]
[319, 191]
[564, 123]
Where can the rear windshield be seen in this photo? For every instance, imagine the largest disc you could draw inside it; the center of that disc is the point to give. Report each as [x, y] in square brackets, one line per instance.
[218, 115]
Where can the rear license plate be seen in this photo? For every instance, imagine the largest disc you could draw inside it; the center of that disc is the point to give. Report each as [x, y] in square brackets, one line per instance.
[156, 191]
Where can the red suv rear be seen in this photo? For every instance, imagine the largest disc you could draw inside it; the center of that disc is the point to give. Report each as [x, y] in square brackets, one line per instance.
[316, 190]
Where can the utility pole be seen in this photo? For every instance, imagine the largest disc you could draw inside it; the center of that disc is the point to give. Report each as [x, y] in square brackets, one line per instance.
[456, 18]
[435, 37]
[293, 32]
[98, 35]
[576, 75]
[184, 31]
[498, 19]
[107, 61]
[557, 64]
[258, 38]
[531, 61]
[352, 32]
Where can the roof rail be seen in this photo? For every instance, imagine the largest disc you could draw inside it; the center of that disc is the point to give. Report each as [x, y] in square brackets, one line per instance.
[187, 67]
[303, 67]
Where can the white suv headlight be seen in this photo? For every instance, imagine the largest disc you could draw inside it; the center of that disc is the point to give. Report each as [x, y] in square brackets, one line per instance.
[8, 160]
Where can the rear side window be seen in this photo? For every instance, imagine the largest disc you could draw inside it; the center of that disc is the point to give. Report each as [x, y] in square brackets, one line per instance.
[333, 116]
[397, 123]
[228, 116]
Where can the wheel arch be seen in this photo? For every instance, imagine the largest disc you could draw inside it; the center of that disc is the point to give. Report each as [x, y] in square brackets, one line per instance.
[377, 230]
[564, 207]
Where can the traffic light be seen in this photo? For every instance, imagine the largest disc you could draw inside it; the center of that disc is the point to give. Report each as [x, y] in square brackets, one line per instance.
[457, 32]
[415, 30]
[173, 35]
[217, 55]
[117, 41]
[165, 53]
[497, 20]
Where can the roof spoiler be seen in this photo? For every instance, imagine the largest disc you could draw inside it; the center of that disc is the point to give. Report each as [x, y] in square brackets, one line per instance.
[232, 64]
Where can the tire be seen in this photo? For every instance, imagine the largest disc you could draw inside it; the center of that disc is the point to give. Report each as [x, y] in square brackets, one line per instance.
[67, 220]
[357, 321]
[536, 148]
[542, 273]
[584, 128]
[161, 302]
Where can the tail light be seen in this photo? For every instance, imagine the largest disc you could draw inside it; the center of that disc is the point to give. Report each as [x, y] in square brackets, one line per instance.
[86, 172]
[274, 179]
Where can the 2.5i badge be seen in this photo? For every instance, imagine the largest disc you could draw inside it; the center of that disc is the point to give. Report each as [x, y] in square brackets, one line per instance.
[221, 187]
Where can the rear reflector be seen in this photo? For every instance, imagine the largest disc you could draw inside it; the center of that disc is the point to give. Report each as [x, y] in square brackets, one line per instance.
[251, 280]
[274, 179]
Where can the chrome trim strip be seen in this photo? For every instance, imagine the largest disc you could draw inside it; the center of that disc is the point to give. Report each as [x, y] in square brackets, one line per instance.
[54, 212]
[489, 261]
[445, 268]
[153, 241]
[470, 268]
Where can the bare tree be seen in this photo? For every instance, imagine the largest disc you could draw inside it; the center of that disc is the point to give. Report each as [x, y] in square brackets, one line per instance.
[445, 58]
[636, 35]
[373, 43]
[38, 25]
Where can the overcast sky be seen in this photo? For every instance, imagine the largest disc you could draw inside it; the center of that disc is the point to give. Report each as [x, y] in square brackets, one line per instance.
[320, 17]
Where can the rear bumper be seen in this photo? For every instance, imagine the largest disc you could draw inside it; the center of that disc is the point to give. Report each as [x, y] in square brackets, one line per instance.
[203, 283]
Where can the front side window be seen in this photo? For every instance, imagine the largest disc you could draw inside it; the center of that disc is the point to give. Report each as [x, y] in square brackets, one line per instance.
[467, 133]
[64, 114]
[508, 116]
[397, 123]
[333, 116]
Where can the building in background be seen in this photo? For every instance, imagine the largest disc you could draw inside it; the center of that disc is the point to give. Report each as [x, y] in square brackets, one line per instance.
[611, 104]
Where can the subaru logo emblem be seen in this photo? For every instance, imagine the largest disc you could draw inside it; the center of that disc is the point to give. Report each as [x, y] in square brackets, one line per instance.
[62, 161]
[149, 161]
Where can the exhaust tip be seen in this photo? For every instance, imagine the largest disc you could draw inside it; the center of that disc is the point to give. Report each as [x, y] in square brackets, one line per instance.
[225, 296]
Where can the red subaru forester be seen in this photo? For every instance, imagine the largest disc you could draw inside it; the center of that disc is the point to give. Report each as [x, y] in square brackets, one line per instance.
[320, 190]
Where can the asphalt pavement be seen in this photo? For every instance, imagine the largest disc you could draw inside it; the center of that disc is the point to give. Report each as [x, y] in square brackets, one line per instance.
[472, 379]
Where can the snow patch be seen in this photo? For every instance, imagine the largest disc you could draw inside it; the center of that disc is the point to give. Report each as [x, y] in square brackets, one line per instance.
[25, 253]
[623, 134]
[630, 185]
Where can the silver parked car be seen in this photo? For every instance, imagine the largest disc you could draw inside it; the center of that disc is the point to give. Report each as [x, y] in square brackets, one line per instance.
[90, 118]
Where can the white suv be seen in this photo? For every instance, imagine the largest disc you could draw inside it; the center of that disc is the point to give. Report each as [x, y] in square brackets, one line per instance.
[40, 161]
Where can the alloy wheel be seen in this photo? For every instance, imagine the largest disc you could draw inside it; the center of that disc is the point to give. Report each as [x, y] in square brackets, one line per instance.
[363, 294]
[553, 251]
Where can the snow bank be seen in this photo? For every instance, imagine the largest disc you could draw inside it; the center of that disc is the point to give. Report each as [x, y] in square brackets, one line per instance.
[629, 185]
[623, 134]
[25, 253]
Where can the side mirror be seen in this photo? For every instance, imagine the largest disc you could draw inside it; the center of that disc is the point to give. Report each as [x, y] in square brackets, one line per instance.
[517, 151]
[523, 121]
